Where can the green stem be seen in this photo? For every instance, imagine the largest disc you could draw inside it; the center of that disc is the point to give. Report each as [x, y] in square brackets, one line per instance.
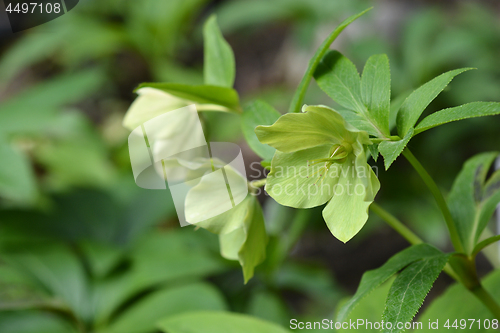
[466, 271]
[406, 233]
[288, 241]
[396, 224]
[300, 93]
[389, 138]
[484, 296]
[258, 183]
[438, 196]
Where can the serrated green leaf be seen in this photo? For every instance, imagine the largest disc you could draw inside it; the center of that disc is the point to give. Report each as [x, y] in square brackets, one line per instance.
[376, 90]
[142, 316]
[409, 290]
[392, 149]
[338, 77]
[255, 114]
[466, 111]
[219, 67]
[418, 100]
[212, 96]
[315, 60]
[374, 278]
[358, 121]
[216, 322]
[459, 303]
[370, 308]
[473, 199]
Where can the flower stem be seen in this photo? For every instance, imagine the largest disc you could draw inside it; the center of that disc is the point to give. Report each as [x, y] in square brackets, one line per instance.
[258, 183]
[468, 275]
[406, 233]
[438, 196]
[396, 224]
[484, 296]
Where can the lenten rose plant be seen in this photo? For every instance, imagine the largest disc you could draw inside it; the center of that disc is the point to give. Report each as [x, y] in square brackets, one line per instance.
[319, 155]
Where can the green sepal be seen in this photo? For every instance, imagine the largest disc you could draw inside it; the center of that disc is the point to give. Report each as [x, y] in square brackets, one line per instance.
[242, 234]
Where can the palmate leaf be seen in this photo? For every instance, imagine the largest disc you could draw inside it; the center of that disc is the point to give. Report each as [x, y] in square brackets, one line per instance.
[409, 290]
[458, 303]
[473, 198]
[315, 61]
[219, 66]
[470, 110]
[418, 100]
[366, 99]
[216, 322]
[370, 308]
[411, 110]
[338, 77]
[376, 90]
[374, 278]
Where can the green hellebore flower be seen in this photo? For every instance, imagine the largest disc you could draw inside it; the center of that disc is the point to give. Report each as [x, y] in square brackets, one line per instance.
[320, 158]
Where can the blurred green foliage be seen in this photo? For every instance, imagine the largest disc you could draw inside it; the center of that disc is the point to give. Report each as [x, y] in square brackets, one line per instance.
[82, 249]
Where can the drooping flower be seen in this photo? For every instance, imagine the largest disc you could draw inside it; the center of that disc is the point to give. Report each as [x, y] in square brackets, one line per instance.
[321, 159]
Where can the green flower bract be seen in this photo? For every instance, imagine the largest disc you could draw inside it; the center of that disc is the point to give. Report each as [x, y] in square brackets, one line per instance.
[321, 159]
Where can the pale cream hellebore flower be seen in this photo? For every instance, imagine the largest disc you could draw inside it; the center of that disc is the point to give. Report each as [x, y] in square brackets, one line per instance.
[321, 159]
[212, 194]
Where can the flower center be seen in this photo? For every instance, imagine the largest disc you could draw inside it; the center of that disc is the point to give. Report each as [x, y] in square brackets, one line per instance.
[337, 154]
